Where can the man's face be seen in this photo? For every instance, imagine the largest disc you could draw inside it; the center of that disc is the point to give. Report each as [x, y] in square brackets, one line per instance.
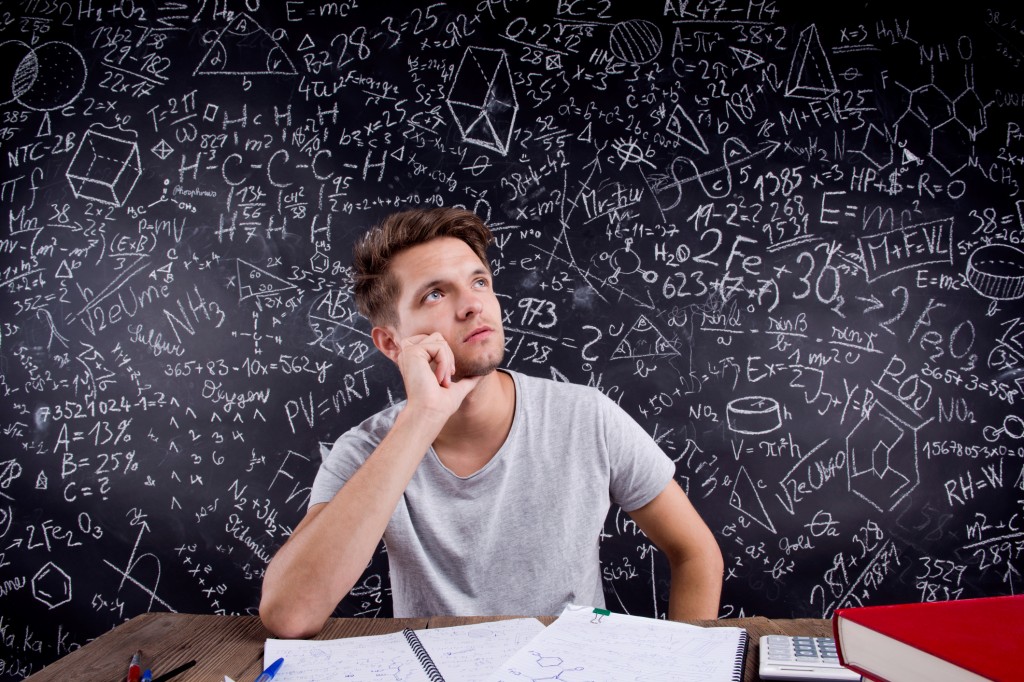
[444, 288]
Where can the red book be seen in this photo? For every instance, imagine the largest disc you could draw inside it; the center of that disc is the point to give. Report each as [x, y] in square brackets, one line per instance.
[970, 639]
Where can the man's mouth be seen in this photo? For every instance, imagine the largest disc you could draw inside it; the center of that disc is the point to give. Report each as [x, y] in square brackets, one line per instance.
[478, 333]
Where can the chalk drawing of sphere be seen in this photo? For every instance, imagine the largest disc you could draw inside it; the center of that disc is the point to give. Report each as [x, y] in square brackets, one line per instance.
[44, 78]
[635, 41]
[625, 262]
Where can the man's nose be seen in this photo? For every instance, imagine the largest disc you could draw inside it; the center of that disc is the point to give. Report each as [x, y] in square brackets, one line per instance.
[470, 305]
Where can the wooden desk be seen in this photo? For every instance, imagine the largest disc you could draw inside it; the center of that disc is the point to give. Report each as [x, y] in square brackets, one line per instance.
[233, 645]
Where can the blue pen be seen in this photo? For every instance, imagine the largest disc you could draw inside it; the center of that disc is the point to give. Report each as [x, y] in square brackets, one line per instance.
[147, 676]
[271, 670]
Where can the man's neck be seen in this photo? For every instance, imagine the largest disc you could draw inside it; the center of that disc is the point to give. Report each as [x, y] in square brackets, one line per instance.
[478, 429]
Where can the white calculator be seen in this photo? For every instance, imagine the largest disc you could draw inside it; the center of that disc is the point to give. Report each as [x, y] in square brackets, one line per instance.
[801, 659]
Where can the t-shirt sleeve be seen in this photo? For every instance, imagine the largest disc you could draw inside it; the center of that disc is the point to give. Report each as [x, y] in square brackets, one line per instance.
[639, 468]
[344, 458]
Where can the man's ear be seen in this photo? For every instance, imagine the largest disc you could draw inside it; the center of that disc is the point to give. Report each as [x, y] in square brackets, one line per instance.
[386, 341]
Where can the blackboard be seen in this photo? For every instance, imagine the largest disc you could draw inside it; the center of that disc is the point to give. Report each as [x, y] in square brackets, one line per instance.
[787, 241]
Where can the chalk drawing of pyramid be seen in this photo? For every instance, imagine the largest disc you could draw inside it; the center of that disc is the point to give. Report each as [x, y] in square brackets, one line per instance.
[254, 281]
[744, 498]
[244, 48]
[810, 74]
[643, 341]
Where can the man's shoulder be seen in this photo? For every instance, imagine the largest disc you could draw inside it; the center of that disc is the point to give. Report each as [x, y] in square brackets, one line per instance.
[376, 426]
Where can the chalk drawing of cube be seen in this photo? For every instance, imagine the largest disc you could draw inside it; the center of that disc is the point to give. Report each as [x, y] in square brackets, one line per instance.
[105, 168]
[482, 99]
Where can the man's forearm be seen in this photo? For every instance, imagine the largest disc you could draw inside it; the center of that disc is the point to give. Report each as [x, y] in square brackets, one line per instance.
[696, 589]
[328, 553]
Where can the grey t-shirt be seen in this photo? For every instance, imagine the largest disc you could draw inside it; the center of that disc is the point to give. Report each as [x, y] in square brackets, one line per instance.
[519, 536]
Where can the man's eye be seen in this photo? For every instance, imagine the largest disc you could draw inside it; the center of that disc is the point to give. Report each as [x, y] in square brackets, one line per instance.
[481, 283]
[432, 296]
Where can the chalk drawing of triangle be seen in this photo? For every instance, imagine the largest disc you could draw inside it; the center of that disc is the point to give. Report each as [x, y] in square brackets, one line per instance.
[744, 498]
[746, 58]
[682, 126]
[643, 341]
[244, 48]
[254, 281]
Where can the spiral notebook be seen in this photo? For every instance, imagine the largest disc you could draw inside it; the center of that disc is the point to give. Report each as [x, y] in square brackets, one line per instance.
[585, 643]
[465, 653]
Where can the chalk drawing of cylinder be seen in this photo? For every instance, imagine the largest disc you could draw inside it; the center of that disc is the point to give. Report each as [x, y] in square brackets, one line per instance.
[753, 415]
[105, 168]
[997, 271]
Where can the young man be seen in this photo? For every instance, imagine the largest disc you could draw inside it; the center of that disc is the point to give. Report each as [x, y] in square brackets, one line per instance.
[490, 488]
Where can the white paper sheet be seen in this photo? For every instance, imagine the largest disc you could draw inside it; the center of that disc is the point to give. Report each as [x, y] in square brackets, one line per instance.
[467, 653]
[584, 645]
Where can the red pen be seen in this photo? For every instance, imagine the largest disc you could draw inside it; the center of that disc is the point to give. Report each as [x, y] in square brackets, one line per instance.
[135, 667]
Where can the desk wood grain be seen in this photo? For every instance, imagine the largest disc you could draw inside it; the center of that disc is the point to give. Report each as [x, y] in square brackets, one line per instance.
[233, 645]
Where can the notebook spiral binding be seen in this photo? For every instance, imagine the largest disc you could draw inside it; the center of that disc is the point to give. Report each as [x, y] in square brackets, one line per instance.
[426, 662]
[741, 658]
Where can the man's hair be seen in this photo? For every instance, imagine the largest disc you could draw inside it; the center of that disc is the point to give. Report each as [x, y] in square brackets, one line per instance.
[374, 286]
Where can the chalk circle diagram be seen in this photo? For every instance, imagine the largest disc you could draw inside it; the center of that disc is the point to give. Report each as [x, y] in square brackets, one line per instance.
[43, 78]
[482, 99]
[635, 41]
[244, 48]
[753, 415]
[996, 271]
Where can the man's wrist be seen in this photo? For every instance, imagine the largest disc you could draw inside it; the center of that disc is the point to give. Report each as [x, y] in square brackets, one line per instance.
[421, 419]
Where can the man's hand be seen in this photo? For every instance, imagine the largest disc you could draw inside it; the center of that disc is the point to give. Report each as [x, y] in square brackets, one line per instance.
[427, 365]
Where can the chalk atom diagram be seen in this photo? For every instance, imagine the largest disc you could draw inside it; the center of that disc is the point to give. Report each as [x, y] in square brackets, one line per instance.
[482, 99]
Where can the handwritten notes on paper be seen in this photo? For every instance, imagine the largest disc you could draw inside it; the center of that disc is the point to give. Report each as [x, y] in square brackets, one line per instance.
[610, 647]
[466, 653]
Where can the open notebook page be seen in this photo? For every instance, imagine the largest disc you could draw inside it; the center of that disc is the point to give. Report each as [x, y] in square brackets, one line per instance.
[586, 645]
[466, 653]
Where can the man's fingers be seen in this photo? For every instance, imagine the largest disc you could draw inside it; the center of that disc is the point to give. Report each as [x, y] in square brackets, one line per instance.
[435, 350]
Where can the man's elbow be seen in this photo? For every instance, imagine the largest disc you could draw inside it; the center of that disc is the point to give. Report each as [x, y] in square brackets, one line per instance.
[288, 622]
[714, 559]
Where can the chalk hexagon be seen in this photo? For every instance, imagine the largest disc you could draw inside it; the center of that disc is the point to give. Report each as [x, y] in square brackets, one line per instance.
[51, 585]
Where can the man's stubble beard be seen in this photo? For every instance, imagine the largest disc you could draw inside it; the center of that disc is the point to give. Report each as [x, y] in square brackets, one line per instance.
[479, 367]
